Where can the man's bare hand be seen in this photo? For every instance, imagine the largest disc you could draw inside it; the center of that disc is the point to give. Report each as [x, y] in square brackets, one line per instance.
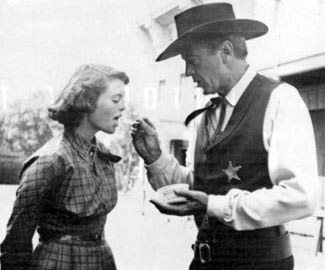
[197, 202]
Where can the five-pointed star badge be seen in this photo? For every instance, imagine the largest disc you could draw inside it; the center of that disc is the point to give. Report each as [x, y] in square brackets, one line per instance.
[231, 172]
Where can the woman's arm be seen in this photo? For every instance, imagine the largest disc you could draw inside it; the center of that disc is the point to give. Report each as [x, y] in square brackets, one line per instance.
[17, 248]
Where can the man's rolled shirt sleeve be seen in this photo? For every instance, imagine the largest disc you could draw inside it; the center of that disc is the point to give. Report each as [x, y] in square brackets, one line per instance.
[166, 170]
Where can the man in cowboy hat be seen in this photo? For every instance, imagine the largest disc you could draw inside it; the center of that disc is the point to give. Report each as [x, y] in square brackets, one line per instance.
[254, 155]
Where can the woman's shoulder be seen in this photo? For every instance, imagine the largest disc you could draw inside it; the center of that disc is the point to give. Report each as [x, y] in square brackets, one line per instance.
[54, 154]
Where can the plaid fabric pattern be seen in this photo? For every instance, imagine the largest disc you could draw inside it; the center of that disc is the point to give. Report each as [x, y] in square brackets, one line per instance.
[67, 187]
[73, 255]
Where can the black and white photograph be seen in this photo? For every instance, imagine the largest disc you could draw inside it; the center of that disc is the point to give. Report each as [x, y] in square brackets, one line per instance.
[162, 134]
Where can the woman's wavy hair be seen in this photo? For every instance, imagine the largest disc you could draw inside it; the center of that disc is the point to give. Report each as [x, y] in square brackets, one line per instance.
[80, 95]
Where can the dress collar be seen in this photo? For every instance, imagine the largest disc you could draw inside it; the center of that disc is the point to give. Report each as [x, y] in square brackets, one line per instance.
[86, 148]
[83, 146]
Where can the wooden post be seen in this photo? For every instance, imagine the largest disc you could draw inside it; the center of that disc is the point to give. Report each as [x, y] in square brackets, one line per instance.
[319, 237]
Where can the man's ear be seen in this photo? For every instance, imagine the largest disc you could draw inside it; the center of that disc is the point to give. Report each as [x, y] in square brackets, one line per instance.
[227, 50]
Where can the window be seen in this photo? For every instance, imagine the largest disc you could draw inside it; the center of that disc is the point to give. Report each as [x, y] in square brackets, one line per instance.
[150, 98]
[178, 148]
[178, 91]
[161, 89]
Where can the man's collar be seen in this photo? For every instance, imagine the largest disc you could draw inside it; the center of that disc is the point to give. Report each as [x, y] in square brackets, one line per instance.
[236, 92]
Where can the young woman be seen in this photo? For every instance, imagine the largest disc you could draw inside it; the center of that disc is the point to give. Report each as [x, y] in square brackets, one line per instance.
[68, 186]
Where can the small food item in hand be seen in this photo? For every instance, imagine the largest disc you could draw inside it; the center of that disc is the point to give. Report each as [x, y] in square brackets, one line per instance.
[168, 193]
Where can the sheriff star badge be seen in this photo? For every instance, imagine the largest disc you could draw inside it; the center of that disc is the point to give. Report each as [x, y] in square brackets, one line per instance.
[231, 172]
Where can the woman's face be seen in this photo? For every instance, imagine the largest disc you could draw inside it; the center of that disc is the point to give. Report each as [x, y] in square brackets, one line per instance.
[110, 106]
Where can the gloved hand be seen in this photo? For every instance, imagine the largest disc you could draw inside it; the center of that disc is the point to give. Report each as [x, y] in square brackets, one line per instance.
[145, 140]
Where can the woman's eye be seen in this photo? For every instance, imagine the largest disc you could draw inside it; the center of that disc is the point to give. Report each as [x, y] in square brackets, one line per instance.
[117, 99]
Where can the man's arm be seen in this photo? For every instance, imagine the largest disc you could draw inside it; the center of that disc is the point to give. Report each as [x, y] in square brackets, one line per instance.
[162, 169]
[290, 142]
[166, 170]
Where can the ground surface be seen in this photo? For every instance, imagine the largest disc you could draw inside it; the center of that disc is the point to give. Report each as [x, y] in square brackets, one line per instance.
[143, 239]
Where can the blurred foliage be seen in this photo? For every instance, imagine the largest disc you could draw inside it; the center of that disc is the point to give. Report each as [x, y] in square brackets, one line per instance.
[27, 127]
[24, 129]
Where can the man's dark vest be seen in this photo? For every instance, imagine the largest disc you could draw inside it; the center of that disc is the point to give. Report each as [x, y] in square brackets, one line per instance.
[240, 144]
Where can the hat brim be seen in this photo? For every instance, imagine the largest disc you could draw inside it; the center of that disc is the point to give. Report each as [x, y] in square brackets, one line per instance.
[249, 29]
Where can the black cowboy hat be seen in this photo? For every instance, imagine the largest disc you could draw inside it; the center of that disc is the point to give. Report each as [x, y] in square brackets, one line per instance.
[211, 19]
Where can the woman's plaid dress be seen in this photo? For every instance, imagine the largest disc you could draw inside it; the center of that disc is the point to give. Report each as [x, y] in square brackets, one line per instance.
[67, 189]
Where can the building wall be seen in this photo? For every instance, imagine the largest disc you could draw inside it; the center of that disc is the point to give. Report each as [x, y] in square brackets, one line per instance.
[42, 42]
[172, 95]
[294, 44]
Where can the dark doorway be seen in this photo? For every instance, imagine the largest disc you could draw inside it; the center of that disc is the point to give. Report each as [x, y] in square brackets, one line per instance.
[178, 149]
[318, 118]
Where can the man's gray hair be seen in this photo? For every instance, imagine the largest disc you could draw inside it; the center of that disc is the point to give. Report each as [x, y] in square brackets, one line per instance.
[238, 43]
[214, 42]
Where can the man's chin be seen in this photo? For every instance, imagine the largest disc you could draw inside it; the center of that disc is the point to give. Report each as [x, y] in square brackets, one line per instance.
[205, 92]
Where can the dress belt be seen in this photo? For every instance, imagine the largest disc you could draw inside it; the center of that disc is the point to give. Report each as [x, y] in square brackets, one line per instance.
[96, 237]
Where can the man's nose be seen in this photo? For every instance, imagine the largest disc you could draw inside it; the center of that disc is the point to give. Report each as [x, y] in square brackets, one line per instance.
[189, 70]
